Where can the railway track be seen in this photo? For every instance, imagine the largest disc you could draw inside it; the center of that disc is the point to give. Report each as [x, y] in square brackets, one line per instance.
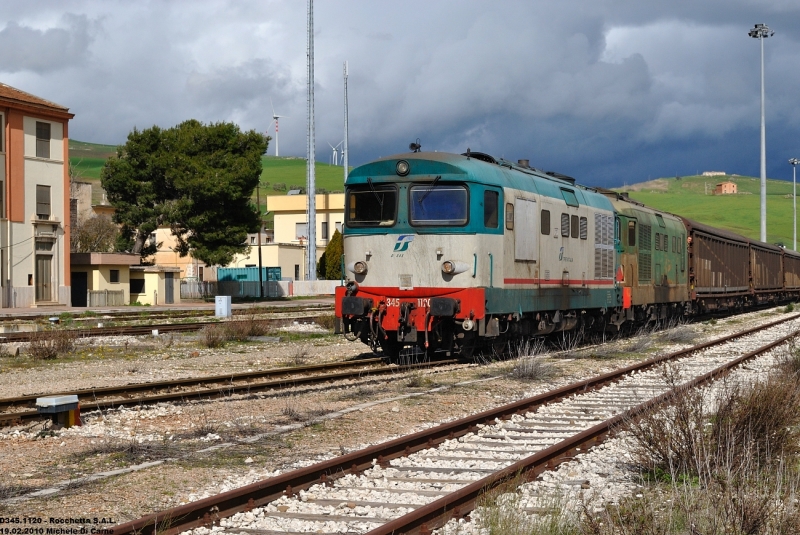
[418, 482]
[210, 387]
[138, 330]
[92, 315]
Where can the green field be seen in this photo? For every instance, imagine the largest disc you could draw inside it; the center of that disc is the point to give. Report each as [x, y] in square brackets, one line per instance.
[88, 159]
[692, 197]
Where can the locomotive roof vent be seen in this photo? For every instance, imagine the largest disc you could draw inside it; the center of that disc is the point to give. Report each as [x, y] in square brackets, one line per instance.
[560, 177]
[480, 156]
[524, 163]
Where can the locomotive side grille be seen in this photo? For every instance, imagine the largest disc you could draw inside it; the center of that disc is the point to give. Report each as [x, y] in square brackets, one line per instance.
[603, 246]
[645, 254]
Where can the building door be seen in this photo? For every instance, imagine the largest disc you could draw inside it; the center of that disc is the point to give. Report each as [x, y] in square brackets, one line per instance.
[80, 285]
[43, 273]
[169, 288]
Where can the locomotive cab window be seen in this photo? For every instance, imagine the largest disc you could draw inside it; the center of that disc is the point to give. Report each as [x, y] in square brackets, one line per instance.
[371, 206]
[491, 209]
[438, 205]
[631, 233]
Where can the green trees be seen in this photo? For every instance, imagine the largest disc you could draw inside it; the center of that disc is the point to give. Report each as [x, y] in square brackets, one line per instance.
[331, 261]
[197, 179]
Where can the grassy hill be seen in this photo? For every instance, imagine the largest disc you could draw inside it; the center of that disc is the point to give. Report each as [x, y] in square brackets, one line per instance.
[88, 160]
[692, 197]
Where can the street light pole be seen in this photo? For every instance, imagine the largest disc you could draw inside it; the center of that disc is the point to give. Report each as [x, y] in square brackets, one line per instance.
[794, 162]
[761, 32]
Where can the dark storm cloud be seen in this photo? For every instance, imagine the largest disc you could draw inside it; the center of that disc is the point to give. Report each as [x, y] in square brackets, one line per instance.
[609, 91]
[42, 51]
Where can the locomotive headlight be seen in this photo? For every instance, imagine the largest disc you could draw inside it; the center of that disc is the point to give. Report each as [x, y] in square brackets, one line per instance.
[359, 268]
[402, 168]
[454, 267]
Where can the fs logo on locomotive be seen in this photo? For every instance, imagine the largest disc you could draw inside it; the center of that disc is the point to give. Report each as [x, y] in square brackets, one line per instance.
[402, 243]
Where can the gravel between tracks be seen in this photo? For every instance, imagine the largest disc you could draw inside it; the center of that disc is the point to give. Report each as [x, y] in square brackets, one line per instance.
[121, 438]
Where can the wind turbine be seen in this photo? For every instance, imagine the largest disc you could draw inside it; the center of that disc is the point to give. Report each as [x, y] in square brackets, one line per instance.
[334, 157]
[275, 118]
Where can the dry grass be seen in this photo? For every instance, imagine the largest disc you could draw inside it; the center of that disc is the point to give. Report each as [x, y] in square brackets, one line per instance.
[45, 345]
[327, 321]
[212, 336]
[131, 450]
[727, 464]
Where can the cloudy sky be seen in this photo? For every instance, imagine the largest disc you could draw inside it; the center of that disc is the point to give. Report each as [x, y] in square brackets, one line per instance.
[609, 91]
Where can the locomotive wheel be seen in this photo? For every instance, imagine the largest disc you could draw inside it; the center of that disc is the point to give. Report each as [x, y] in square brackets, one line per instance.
[467, 345]
[391, 347]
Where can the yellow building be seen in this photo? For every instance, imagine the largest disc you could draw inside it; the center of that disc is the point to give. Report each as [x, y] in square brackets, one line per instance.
[155, 285]
[285, 246]
[289, 241]
[101, 279]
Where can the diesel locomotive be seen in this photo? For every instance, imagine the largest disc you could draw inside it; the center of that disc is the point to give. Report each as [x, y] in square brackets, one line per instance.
[452, 253]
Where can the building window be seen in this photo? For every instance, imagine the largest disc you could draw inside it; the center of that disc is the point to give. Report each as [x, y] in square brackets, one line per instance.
[297, 272]
[42, 202]
[252, 240]
[301, 230]
[137, 286]
[114, 275]
[2, 129]
[42, 140]
[324, 232]
[200, 273]
[339, 226]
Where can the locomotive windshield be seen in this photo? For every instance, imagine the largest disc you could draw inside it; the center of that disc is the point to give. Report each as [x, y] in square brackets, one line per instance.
[438, 205]
[371, 206]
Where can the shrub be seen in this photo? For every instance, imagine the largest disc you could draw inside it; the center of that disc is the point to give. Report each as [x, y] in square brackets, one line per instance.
[327, 322]
[45, 345]
[212, 336]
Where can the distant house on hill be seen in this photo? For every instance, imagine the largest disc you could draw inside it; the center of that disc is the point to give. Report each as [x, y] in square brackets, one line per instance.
[713, 173]
[725, 188]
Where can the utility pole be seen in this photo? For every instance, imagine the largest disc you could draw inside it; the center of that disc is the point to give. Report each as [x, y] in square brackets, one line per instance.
[311, 187]
[346, 150]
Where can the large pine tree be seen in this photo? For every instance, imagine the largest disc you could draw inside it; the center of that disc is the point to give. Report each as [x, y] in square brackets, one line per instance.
[196, 179]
